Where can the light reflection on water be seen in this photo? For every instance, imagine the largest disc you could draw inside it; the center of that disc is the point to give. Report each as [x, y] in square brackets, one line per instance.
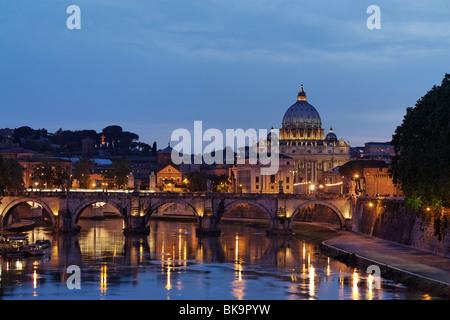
[173, 263]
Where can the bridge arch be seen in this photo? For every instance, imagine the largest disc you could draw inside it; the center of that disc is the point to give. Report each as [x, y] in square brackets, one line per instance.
[8, 209]
[83, 205]
[154, 206]
[256, 204]
[333, 208]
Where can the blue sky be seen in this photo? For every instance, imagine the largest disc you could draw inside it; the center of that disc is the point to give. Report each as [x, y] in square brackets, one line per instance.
[152, 66]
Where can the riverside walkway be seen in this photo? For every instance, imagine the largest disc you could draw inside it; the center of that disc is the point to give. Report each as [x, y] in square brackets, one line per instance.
[394, 256]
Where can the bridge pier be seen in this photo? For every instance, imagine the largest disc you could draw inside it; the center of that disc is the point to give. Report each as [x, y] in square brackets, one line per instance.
[279, 226]
[208, 225]
[64, 223]
[136, 225]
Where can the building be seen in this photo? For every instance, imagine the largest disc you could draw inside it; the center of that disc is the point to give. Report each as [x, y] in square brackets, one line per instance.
[374, 151]
[379, 148]
[164, 157]
[308, 160]
[87, 147]
[302, 139]
[169, 178]
[7, 133]
[379, 151]
[30, 160]
[143, 166]
[247, 177]
[378, 182]
[356, 153]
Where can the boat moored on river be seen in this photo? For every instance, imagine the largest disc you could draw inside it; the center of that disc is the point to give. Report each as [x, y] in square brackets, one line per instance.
[17, 246]
[41, 247]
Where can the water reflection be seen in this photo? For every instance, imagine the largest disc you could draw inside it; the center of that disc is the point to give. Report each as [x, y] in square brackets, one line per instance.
[172, 262]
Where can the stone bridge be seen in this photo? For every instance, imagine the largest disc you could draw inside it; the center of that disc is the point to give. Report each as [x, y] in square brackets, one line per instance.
[136, 208]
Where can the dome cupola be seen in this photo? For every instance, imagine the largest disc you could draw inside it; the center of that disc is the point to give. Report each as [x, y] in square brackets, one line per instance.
[302, 114]
[331, 137]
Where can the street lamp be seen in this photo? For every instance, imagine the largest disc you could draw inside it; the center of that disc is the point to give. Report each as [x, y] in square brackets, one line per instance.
[356, 184]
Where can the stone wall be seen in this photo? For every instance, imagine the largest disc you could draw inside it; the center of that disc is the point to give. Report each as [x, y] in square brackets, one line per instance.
[174, 209]
[244, 210]
[388, 219]
[379, 182]
[318, 213]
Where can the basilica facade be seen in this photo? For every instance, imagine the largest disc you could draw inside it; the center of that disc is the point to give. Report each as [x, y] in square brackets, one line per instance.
[301, 137]
[307, 157]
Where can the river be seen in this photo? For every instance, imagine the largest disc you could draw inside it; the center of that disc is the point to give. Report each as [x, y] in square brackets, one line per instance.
[173, 263]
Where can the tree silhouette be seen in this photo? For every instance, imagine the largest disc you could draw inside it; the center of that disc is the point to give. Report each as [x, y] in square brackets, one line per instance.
[117, 176]
[50, 173]
[11, 175]
[82, 171]
[421, 166]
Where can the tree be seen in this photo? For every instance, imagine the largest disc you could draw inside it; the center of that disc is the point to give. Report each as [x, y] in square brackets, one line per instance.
[50, 174]
[219, 183]
[125, 141]
[196, 181]
[112, 135]
[61, 176]
[82, 172]
[43, 173]
[118, 174]
[23, 132]
[421, 166]
[11, 175]
[154, 148]
[142, 147]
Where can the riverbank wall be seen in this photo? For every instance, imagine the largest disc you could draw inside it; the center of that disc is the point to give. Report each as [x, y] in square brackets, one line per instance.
[388, 219]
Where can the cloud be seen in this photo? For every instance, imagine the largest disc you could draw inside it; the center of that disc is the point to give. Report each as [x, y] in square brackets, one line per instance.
[277, 32]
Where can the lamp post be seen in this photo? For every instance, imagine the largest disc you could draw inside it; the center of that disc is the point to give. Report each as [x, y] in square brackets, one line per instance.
[356, 184]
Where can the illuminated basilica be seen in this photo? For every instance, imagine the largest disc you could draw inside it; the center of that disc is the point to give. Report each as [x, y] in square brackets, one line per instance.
[306, 156]
[301, 137]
